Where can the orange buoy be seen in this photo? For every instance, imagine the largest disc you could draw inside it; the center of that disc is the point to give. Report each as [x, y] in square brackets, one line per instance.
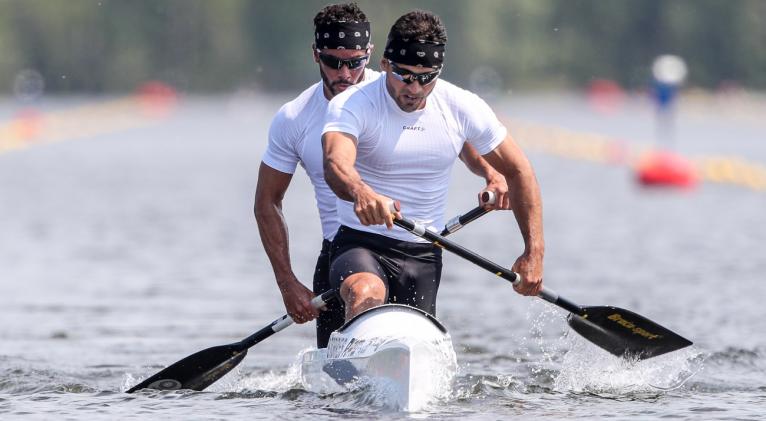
[27, 124]
[157, 98]
[663, 168]
[605, 96]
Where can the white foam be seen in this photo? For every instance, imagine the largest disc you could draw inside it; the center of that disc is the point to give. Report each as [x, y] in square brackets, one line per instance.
[587, 368]
[273, 381]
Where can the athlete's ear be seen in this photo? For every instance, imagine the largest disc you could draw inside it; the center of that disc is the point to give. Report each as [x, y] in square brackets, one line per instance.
[315, 53]
[384, 65]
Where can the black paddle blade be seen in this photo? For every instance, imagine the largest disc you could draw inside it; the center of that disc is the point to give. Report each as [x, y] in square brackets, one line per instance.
[624, 333]
[197, 371]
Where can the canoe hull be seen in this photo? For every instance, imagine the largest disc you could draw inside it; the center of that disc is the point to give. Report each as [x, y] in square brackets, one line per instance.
[403, 354]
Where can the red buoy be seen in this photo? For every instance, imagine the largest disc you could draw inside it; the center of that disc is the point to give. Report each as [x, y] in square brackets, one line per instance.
[605, 96]
[663, 168]
[157, 99]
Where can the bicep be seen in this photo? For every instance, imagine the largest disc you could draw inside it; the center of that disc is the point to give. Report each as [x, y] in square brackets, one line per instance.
[339, 147]
[469, 155]
[272, 185]
[507, 157]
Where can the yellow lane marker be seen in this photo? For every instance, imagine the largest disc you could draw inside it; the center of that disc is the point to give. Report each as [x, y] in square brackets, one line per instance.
[29, 127]
[608, 150]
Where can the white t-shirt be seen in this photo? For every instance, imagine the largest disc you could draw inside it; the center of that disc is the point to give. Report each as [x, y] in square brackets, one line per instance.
[295, 136]
[408, 156]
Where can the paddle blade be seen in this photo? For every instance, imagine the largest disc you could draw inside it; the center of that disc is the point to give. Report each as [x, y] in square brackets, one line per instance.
[197, 371]
[624, 333]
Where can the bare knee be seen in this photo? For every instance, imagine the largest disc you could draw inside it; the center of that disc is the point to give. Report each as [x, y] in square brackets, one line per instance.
[363, 285]
[362, 291]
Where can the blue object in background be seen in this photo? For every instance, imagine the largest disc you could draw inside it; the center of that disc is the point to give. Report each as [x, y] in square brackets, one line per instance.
[664, 93]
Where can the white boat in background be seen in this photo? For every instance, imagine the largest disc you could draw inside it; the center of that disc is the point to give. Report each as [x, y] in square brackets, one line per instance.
[403, 355]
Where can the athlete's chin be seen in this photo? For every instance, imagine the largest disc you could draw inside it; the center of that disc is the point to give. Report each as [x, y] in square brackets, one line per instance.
[340, 87]
[409, 103]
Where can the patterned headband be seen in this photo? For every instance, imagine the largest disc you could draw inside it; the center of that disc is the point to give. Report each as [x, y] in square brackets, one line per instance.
[414, 52]
[343, 36]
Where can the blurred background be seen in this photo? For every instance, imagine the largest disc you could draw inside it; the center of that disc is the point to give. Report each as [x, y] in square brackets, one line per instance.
[100, 46]
[130, 138]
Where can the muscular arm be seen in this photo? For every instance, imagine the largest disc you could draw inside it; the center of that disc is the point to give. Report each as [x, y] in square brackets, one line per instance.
[495, 181]
[272, 185]
[339, 156]
[526, 202]
[339, 172]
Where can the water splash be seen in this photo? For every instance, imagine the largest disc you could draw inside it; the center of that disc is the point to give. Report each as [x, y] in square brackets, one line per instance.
[586, 368]
[129, 381]
[273, 381]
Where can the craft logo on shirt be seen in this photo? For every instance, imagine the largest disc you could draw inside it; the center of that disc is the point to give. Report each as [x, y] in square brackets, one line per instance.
[416, 128]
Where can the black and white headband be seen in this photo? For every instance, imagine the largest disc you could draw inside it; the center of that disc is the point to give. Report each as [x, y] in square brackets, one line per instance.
[415, 52]
[343, 36]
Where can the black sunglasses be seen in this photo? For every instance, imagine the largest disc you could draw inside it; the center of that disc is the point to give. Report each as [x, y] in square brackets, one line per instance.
[336, 63]
[406, 76]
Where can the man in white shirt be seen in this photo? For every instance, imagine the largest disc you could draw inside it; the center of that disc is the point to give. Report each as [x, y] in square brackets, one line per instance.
[341, 48]
[396, 139]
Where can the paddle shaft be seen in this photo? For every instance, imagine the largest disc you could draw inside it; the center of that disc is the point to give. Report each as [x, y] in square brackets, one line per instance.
[507, 274]
[454, 224]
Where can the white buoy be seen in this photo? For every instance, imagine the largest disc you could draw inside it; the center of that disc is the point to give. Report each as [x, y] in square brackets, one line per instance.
[669, 69]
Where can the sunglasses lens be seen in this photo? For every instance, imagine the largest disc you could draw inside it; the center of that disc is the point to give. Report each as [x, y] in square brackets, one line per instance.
[401, 78]
[336, 63]
[427, 78]
[406, 76]
[355, 63]
[329, 61]
[423, 79]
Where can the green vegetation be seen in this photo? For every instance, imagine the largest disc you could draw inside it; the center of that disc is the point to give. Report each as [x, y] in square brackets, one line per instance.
[205, 46]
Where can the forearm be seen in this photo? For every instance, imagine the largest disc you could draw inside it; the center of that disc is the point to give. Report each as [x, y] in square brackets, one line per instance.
[343, 179]
[272, 185]
[339, 171]
[528, 209]
[524, 193]
[275, 239]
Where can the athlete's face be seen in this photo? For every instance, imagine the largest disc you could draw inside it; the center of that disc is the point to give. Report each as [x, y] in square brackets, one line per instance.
[408, 96]
[341, 68]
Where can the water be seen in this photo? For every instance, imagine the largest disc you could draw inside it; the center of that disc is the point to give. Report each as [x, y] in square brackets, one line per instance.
[126, 250]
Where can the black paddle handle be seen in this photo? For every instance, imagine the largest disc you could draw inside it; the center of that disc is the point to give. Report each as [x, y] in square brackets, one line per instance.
[454, 224]
[507, 274]
[319, 302]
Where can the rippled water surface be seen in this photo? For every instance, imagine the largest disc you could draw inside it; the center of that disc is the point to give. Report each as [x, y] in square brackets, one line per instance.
[126, 250]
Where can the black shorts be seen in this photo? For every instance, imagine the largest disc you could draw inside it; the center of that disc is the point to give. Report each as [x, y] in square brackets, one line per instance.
[333, 316]
[411, 271]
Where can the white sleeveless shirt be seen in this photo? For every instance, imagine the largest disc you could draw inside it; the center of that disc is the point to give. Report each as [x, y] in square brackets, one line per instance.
[295, 136]
[408, 156]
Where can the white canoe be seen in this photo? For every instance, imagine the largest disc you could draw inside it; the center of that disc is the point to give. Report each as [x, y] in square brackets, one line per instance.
[401, 354]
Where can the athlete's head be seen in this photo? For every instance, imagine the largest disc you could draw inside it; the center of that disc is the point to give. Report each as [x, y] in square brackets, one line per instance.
[414, 58]
[341, 46]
